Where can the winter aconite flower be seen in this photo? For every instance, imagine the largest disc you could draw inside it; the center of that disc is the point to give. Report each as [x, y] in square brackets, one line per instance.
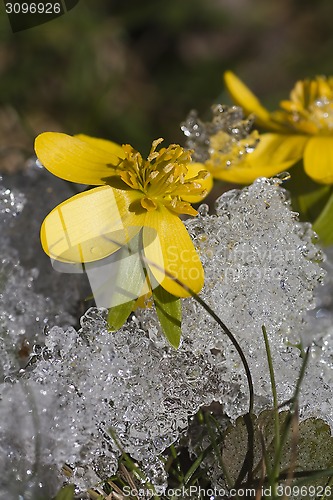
[134, 197]
[229, 148]
[303, 126]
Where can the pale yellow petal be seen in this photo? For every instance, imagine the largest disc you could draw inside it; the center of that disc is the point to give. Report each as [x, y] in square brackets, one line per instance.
[275, 153]
[91, 225]
[73, 159]
[169, 251]
[318, 159]
[103, 144]
[206, 184]
[243, 97]
[120, 278]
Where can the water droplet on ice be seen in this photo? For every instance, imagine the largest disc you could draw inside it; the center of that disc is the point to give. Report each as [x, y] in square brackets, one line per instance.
[283, 176]
[203, 210]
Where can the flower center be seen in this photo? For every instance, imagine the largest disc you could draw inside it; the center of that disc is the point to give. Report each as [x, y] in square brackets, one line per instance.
[310, 108]
[224, 141]
[163, 178]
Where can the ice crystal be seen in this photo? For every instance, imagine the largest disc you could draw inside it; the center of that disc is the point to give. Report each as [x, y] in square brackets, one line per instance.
[121, 384]
[28, 468]
[320, 325]
[96, 392]
[11, 204]
[25, 271]
[224, 141]
[42, 191]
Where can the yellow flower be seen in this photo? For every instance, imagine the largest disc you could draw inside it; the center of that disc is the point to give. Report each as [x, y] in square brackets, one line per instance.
[302, 127]
[135, 196]
[230, 151]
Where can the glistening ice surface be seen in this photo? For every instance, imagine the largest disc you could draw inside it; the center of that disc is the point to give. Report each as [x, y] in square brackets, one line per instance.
[89, 385]
[32, 294]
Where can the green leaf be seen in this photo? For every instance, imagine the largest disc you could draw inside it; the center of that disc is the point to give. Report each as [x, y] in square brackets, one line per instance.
[66, 493]
[323, 224]
[121, 281]
[300, 183]
[310, 205]
[307, 196]
[169, 312]
[118, 315]
[313, 441]
[129, 281]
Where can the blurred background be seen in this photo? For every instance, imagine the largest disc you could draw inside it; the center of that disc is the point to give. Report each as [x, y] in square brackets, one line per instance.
[131, 70]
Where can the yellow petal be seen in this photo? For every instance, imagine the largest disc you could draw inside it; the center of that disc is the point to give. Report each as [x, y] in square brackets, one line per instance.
[274, 153]
[73, 159]
[107, 146]
[168, 246]
[243, 97]
[206, 184]
[91, 225]
[318, 159]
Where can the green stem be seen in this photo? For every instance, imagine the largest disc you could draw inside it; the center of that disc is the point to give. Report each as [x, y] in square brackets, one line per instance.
[133, 467]
[217, 450]
[300, 378]
[248, 461]
[328, 487]
[293, 407]
[173, 464]
[218, 321]
[275, 472]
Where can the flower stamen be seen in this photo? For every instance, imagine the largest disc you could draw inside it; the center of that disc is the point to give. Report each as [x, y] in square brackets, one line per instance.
[163, 178]
[310, 108]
